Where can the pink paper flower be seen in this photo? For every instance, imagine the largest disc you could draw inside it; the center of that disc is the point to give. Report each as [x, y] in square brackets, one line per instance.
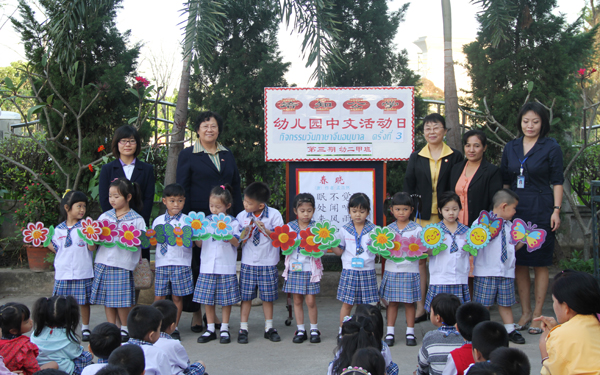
[36, 234]
[91, 229]
[412, 246]
[396, 250]
[108, 231]
[129, 235]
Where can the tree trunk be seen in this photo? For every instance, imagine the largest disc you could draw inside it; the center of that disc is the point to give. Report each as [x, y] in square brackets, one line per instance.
[450, 96]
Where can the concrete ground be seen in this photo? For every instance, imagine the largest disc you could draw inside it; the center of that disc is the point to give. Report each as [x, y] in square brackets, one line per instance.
[263, 357]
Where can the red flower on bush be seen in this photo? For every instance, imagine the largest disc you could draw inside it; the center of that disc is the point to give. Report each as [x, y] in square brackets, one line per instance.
[142, 80]
[101, 148]
[91, 167]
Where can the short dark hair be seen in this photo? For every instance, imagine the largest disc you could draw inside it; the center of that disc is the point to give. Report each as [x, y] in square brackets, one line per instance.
[303, 198]
[126, 187]
[435, 117]
[169, 311]
[505, 196]
[12, 315]
[476, 133]
[205, 116]
[258, 191]
[373, 313]
[540, 111]
[225, 194]
[50, 371]
[512, 360]
[126, 131]
[359, 200]
[468, 316]
[113, 370]
[579, 290]
[173, 190]
[369, 359]
[142, 320]
[69, 199]
[445, 198]
[486, 368]
[488, 336]
[445, 305]
[404, 199]
[105, 338]
[130, 357]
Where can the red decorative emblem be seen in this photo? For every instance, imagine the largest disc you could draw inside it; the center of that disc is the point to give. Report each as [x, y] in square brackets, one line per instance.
[288, 105]
[322, 105]
[356, 105]
[390, 105]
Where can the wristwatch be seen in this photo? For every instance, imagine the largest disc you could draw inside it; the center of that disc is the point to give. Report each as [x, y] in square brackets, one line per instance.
[557, 208]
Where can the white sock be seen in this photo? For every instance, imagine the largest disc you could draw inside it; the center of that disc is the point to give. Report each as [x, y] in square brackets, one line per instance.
[390, 330]
[314, 326]
[243, 325]
[124, 328]
[210, 327]
[410, 331]
[268, 324]
[224, 327]
[85, 326]
[509, 327]
[301, 327]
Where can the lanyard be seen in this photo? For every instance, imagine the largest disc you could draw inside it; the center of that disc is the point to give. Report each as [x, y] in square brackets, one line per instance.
[522, 164]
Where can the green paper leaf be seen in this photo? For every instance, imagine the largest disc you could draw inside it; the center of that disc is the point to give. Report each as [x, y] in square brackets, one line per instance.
[304, 252]
[288, 251]
[84, 238]
[396, 259]
[385, 253]
[203, 237]
[318, 254]
[49, 237]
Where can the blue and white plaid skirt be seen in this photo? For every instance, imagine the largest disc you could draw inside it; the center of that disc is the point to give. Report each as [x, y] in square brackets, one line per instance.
[214, 289]
[459, 290]
[299, 283]
[259, 278]
[81, 290]
[113, 287]
[400, 287]
[85, 359]
[488, 290]
[358, 287]
[173, 280]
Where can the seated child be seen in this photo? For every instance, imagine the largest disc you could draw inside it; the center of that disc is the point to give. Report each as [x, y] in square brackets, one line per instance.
[467, 317]
[56, 320]
[18, 352]
[50, 371]
[439, 343]
[512, 360]
[373, 313]
[130, 358]
[358, 332]
[495, 266]
[370, 360]
[485, 368]
[488, 336]
[178, 358]
[144, 330]
[105, 338]
[112, 370]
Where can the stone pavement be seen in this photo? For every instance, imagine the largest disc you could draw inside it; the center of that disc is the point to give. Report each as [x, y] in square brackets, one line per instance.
[263, 357]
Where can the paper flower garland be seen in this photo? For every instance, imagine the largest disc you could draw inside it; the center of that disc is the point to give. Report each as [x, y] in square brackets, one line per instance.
[324, 235]
[178, 236]
[284, 238]
[108, 233]
[222, 229]
[381, 241]
[90, 231]
[432, 237]
[129, 238]
[403, 248]
[528, 234]
[148, 238]
[413, 248]
[199, 224]
[308, 246]
[478, 237]
[491, 221]
[37, 234]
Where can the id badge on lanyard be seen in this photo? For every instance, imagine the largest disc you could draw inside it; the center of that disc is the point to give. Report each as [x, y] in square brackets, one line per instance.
[521, 177]
[296, 267]
[358, 263]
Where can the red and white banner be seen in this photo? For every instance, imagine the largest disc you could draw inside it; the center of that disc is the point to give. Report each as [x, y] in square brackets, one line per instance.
[339, 123]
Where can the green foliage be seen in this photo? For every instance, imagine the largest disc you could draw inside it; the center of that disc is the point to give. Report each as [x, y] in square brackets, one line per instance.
[537, 47]
[577, 263]
[36, 204]
[15, 77]
[49, 258]
[585, 169]
[244, 62]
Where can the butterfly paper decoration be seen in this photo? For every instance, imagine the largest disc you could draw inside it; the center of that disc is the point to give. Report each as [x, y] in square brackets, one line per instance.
[178, 235]
[148, 238]
[528, 234]
[492, 222]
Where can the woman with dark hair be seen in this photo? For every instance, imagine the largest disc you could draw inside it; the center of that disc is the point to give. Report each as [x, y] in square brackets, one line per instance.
[201, 167]
[427, 174]
[126, 147]
[532, 167]
[572, 345]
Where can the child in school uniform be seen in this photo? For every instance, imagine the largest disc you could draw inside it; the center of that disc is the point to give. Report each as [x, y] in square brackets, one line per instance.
[449, 270]
[144, 327]
[105, 338]
[173, 263]
[495, 266]
[113, 273]
[217, 283]
[73, 264]
[259, 258]
[358, 282]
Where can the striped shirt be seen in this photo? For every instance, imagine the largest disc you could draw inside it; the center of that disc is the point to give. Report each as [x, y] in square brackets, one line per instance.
[436, 347]
[214, 157]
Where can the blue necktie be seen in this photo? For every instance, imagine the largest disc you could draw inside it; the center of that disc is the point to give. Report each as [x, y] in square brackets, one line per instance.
[504, 255]
[454, 247]
[256, 236]
[68, 240]
[165, 246]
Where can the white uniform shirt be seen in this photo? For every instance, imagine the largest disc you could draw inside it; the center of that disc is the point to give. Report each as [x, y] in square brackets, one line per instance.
[411, 229]
[178, 357]
[296, 256]
[93, 368]
[451, 268]
[263, 254]
[157, 362]
[114, 256]
[488, 260]
[348, 244]
[74, 262]
[220, 257]
[175, 255]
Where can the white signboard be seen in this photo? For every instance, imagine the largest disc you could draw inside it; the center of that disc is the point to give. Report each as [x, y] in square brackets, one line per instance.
[339, 123]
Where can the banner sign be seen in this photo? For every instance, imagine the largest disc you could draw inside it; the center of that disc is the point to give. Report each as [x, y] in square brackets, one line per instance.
[339, 123]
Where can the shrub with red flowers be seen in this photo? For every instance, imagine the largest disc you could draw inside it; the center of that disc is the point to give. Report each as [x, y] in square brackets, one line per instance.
[37, 204]
[141, 81]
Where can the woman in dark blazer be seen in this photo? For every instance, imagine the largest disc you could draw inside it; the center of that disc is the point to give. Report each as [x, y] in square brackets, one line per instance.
[126, 146]
[200, 168]
[427, 174]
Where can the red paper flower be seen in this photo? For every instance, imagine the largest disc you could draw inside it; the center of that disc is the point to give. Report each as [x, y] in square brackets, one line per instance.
[35, 234]
[142, 80]
[90, 229]
[91, 167]
[308, 241]
[101, 148]
[282, 237]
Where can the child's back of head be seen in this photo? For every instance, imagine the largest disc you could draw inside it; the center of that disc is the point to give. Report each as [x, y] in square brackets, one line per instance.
[105, 338]
[505, 196]
[512, 360]
[357, 333]
[169, 312]
[468, 316]
[57, 312]
[445, 305]
[372, 312]
[50, 371]
[12, 316]
[129, 357]
[143, 320]
[369, 359]
[258, 191]
[488, 336]
[486, 368]
[112, 370]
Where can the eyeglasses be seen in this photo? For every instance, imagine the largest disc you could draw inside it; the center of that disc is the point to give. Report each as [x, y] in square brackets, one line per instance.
[211, 127]
[127, 142]
[436, 129]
